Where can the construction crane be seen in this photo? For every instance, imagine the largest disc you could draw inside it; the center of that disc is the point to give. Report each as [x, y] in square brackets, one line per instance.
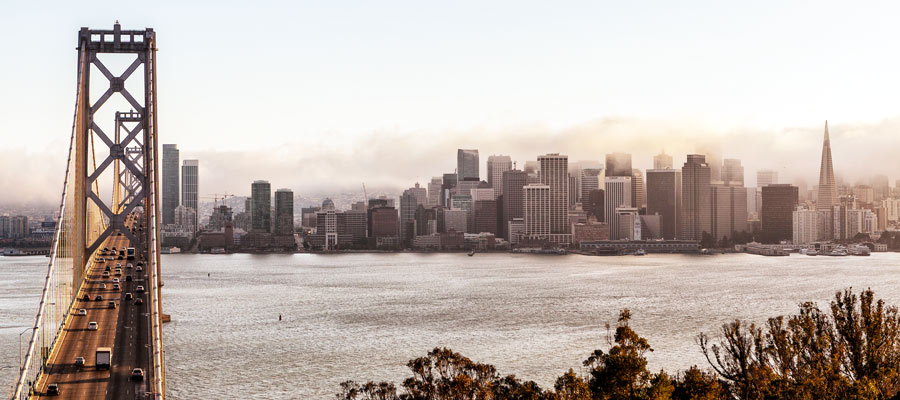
[216, 197]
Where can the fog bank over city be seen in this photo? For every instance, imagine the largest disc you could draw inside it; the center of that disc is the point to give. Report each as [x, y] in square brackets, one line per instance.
[388, 161]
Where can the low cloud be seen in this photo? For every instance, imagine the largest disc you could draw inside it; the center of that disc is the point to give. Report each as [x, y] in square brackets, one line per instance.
[390, 161]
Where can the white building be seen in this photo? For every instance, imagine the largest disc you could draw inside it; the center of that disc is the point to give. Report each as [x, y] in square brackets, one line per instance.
[617, 195]
[537, 211]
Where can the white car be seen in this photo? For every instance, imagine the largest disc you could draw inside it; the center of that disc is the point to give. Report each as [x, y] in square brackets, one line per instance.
[138, 268]
[92, 326]
[139, 289]
[115, 280]
[106, 274]
[81, 311]
[102, 286]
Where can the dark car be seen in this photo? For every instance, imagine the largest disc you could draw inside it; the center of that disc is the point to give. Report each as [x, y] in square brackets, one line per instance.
[127, 278]
[107, 268]
[137, 374]
[98, 298]
[120, 258]
[128, 296]
[53, 389]
[86, 297]
[139, 301]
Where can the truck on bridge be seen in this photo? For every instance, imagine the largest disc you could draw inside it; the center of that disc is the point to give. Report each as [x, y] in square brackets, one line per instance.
[104, 357]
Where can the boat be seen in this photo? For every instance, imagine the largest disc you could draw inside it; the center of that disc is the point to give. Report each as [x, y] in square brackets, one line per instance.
[471, 253]
[809, 252]
[859, 250]
[838, 252]
[640, 252]
[217, 250]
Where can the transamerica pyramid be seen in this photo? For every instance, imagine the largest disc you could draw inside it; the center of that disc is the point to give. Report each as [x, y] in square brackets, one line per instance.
[827, 190]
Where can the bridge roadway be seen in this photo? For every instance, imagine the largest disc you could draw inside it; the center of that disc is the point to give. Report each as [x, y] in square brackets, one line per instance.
[126, 329]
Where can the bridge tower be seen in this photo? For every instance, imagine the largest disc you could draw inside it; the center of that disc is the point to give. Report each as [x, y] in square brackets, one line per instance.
[127, 143]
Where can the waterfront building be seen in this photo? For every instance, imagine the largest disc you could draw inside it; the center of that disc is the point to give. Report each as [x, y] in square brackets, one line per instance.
[384, 224]
[589, 231]
[628, 224]
[185, 219]
[485, 216]
[260, 216]
[778, 204]
[554, 174]
[496, 166]
[467, 164]
[190, 179]
[662, 161]
[695, 192]
[808, 225]
[651, 226]
[170, 186]
[284, 212]
[664, 198]
[537, 211]
[513, 200]
[617, 195]
[455, 220]
[728, 205]
[618, 164]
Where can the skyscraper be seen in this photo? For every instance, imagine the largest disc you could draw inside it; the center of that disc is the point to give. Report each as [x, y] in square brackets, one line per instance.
[467, 164]
[496, 166]
[662, 161]
[733, 172]
[190, 179]
[664, 198]
[537, 210]
[284, 212]
[434, 191]
[638, 191]
[170, 196]
[766, 177]
[728, 205]
[555, 174]
[617, 195]
[695, 192]
[618, 164]
[778, 205]
[590, 180]
[827, 197]
[513, 199]
[260, 217]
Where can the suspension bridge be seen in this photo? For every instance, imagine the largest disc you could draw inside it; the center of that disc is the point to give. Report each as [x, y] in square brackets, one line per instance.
[97, 331]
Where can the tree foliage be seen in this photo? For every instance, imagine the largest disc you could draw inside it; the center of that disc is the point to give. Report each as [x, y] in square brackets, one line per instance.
[849, 351]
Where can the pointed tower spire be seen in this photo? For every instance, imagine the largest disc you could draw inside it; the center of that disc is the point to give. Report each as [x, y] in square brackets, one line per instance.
[827, 189]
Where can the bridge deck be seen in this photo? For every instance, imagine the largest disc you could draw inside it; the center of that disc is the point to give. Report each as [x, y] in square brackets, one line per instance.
[125, 329]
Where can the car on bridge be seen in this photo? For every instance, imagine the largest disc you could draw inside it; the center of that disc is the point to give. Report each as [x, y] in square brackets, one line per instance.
[116, 286]
[139, 301]
[86, 297]
[111, 304]
[139, 289]
[53, 389]
[128, 278]
[138, 268]
[115, 280]
[79, 361]
[106, 274]
[92, 326]
[137, 374]
[81, 311]
[98, 298]
[128, 296]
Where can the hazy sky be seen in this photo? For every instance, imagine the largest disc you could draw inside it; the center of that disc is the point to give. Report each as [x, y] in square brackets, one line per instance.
[318, 96]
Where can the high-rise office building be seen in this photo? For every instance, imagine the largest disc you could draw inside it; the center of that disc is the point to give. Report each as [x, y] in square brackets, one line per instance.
[618, 164]
[766, 177]
[513, 199]
[733, 172]
[728, 204]
[170, 186]
[485, 212]
[448, 184]
[537, 210]
[714, 161]
[467, 164]
[408, 205]
[695, 192]
[590, 181]
[778, 205]
[555, 174]
[662, 161]
[638, 190]
[496, 166]
[593, 206]
[434, 191]
[261, 217]
[827, 193]
[284, 212]
[617, 195]
[664, 198]
[190, 178]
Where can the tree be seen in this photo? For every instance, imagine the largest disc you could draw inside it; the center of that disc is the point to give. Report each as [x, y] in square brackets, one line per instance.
[621, 373]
